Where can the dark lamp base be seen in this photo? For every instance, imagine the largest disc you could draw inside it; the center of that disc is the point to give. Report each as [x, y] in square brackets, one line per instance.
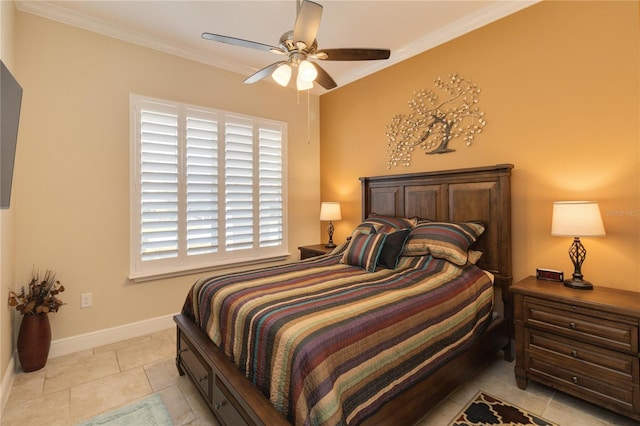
[330, 245]
[578, 284]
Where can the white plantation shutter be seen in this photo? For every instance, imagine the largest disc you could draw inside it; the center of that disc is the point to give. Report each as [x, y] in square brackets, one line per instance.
[271, 204]
[208, 188]
[158, 185]
[202, 185]
[239, 182]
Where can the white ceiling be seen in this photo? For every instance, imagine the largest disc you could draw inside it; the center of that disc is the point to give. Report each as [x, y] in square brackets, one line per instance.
[406, 28]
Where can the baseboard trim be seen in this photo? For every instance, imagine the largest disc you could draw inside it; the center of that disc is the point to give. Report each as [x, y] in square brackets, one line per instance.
[106, 336]
[7, 382]
[87, 341]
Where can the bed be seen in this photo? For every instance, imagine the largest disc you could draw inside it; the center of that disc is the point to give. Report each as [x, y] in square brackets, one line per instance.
[356, 354]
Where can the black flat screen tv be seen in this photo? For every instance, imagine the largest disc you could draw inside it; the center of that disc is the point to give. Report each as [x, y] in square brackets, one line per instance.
[10, 102]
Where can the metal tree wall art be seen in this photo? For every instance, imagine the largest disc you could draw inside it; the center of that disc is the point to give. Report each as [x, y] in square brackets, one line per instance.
[435, 121]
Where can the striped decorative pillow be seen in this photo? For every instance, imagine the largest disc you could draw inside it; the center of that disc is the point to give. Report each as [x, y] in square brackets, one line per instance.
[384, 224]
[449, 241]
[364, 250]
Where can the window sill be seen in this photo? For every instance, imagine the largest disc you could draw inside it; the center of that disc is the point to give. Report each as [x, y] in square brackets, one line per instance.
[188, 270]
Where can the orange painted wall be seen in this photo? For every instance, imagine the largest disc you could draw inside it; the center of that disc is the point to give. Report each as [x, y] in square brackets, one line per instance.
[560, 89]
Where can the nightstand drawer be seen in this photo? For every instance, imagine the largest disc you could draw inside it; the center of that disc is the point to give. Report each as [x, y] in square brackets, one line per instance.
[581, 324]
[611, 395]
[588, 360]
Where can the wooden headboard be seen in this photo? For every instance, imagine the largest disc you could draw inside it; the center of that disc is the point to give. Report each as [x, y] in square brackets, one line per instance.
[479, 193]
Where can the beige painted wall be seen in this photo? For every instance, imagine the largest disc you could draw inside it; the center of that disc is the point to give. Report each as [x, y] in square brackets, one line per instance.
[7, 54]
[561, 97]
[72, 166]
[560, 88]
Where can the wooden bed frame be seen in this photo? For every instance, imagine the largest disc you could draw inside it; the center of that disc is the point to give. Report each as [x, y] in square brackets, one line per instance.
[482, 193]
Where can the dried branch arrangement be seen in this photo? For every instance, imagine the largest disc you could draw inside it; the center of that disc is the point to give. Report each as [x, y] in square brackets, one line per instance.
[41, 295]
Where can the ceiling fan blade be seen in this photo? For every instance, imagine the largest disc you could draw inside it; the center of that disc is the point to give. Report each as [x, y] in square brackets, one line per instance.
[307, 22]
[353, 54]
[264, 72]
[238, 42]
[323, 78]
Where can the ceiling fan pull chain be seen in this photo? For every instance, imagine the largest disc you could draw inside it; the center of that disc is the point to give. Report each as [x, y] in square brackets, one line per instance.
[308, 119]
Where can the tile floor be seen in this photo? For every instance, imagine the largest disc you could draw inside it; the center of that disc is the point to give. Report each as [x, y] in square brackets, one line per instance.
[76, 387]
[498, 380]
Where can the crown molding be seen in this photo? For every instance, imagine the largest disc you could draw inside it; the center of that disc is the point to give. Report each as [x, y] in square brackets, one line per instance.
[485, 16]
[64, 15]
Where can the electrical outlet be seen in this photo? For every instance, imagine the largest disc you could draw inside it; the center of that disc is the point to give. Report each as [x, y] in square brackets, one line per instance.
[86, 300]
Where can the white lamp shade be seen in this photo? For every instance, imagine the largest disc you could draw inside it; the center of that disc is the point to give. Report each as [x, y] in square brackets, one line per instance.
[330, 211]
[282, 74]
[303, 85]
[307, 72]
[577, 219]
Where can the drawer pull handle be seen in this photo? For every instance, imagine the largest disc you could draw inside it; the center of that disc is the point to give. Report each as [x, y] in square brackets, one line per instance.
[574, 354]
[575, 380]
[202, 379]
[572, 325]
[182, 351]
[218, 405]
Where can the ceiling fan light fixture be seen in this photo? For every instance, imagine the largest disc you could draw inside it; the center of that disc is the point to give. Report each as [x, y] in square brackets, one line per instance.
[282, 75]
[302, 84]
[307, 72]
[299, 45]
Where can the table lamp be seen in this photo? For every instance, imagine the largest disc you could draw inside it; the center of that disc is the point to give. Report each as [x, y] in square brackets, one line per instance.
[330, 211]
[577, 219]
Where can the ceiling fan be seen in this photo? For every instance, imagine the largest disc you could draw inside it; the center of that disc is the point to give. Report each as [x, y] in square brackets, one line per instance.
[300, 45]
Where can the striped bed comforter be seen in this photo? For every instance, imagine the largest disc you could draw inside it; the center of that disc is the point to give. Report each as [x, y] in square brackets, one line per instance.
[329, 343]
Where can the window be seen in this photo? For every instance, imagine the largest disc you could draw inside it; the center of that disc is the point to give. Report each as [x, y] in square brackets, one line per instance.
[207, 188]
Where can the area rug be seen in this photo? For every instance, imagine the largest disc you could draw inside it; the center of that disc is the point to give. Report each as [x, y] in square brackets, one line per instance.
[487, 410]
[150, 411]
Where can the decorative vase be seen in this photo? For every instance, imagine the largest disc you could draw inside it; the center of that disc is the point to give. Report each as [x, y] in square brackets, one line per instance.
[34, 341]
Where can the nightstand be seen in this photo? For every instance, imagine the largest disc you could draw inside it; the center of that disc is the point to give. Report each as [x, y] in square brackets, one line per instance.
[312, 251]
[582, 342]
